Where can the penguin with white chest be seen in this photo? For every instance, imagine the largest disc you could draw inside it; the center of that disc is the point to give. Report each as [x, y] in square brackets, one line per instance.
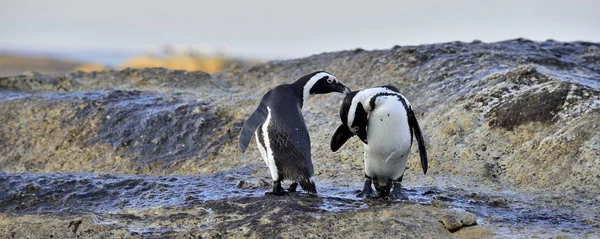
[384, 120]
[281, 133]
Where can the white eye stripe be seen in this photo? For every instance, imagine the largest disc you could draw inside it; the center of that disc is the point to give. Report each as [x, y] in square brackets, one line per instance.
[332, 79]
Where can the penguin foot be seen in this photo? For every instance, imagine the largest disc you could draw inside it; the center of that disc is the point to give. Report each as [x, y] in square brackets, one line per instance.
[396, 193]
[292, 188]
[277, 189]
[282, 193]
[367, 191]
[366, 194]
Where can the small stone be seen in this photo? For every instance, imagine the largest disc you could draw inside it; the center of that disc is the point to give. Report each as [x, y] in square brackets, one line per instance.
[190, 198]
[500, 202]
[263, 183]
[242, 184]
[32, 188]
[468, 219]
[451, 223]
[561, 236]
[229, 177]
[458, 218]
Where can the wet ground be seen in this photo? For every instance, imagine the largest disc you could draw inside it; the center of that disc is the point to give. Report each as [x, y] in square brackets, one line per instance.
[136, 204]
[511, 131]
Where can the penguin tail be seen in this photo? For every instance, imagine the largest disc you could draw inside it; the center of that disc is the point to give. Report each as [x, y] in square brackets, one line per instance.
[309, 185]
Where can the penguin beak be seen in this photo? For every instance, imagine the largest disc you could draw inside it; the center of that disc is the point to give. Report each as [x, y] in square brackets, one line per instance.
[346, 90]
[342, 89]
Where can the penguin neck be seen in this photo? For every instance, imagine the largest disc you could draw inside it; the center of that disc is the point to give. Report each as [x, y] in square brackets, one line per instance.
[301, 89]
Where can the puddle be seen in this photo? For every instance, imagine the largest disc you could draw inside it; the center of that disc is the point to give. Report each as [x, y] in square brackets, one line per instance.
[76, 194]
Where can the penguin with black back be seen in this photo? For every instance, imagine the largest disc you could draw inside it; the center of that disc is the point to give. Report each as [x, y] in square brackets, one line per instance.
[281, 133]
[385, 122]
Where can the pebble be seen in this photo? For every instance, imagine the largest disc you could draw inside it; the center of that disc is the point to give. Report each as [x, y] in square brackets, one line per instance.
[242, 184]
[561, 236]
[263, 183]
[456, 218]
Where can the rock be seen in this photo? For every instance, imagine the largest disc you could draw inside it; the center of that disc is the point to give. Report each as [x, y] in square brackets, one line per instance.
[561, 237]
[451, 222]
[516, 96]
[455, 219]
[242, 184]
[263, 183]
[508, 126]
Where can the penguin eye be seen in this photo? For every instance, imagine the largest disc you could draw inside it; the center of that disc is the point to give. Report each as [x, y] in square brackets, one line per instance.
[329, 80]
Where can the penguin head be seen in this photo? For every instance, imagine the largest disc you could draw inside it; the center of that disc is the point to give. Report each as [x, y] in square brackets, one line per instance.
[354, 122]
[383, 186]
[360, 122]
[357, 119]
[321, 82]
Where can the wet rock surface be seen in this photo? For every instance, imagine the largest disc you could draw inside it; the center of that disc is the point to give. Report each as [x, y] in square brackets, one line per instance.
[511, 128]
[182, 206]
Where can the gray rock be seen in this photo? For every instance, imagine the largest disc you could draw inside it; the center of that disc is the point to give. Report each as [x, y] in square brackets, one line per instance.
[455, 219]
[511, 130]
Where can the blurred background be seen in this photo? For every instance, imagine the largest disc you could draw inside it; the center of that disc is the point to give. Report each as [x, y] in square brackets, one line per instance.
[60, 36]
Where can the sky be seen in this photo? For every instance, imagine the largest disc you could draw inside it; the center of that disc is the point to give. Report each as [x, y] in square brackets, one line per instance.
[283, 29]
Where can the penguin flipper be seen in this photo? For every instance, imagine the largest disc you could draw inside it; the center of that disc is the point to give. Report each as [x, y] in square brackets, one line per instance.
[256, 119]
[412, 121]
[341, 135]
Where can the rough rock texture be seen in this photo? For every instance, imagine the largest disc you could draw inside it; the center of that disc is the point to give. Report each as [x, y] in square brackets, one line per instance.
[457, 219]
[512, 131]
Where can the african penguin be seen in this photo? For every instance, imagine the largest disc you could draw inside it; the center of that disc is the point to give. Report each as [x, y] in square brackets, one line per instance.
[384, 120]
[281, 133]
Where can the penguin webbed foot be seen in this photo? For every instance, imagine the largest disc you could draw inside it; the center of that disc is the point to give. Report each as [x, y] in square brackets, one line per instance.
[282, 193]
[367, 191]
[277, 193]
[396, 193]
[277, 190]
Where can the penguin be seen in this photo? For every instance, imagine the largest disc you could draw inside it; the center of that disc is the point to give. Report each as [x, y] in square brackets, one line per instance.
[385, 122]
[281, 133]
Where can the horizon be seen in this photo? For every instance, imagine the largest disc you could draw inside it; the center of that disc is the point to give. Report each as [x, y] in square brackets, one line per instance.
[113, 57]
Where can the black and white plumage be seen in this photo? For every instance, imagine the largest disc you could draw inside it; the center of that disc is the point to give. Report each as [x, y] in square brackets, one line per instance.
[281, 133]
[385, 121]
